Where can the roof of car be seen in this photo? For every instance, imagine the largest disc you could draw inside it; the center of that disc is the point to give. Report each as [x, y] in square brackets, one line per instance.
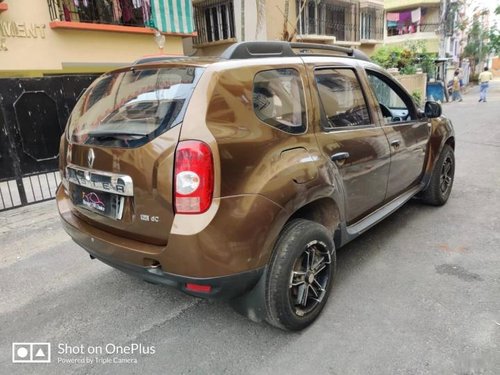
[256, 50]
[249, 50]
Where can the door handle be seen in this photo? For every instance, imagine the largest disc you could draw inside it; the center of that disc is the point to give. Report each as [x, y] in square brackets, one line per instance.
[339, 156]
[395, 143]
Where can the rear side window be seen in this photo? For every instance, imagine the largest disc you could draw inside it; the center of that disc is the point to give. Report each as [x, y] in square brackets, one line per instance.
[129, 108]
[342, 98]
[278, 99]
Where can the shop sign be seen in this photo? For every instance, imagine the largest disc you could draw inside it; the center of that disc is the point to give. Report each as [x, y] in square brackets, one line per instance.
[12, 29]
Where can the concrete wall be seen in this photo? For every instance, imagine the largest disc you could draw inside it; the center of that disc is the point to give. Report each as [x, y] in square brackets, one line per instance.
[495, 66]
[30, 47]
[414, 83]
[275, 19]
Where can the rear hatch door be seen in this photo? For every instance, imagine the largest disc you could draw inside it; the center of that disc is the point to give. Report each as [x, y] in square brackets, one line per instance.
[122, 137]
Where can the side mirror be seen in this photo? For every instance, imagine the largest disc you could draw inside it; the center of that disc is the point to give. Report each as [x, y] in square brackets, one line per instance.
[432, 109]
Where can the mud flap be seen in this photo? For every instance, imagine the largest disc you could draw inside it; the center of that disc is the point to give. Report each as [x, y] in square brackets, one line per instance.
[253, 303]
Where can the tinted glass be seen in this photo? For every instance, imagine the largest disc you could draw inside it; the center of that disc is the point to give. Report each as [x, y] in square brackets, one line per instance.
[278, 99]
[342, 98]
[392, 105]
[129, 108]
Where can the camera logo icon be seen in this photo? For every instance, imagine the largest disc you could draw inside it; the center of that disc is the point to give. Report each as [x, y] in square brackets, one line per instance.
[31, 352]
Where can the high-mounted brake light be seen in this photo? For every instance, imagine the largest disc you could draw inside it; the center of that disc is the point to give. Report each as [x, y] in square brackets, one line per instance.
[194, 177]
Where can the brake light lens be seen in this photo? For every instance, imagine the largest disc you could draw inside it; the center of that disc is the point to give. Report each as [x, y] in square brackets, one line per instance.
[194, 177]
[198, 288]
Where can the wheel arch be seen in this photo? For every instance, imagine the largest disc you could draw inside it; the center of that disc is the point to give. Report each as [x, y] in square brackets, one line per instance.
[324, 211]
[442, 134]
[450, 142]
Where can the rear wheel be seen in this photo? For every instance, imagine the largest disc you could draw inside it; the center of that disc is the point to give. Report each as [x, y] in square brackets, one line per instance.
[300, 275]
[439, 189]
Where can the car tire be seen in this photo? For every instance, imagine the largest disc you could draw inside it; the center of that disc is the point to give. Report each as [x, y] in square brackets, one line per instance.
[300, 275]
[439, 189]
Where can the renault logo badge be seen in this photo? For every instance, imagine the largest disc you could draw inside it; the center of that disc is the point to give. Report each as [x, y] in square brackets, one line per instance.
[90, 158]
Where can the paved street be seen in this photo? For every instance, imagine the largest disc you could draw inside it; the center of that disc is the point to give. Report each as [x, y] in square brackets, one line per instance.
[418, 294]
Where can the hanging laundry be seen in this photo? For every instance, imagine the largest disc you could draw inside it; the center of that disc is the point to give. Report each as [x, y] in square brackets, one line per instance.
[117, 11]
[67, 14]
[146, 11]
[137, 3]
[104, 10]
[127, 10]
[138, 16]
[85, 3]
[405, 16]
[416, 15]
[393, 17]
[85, 13]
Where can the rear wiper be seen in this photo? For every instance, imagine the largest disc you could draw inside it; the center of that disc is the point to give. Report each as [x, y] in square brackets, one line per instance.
[100, 135]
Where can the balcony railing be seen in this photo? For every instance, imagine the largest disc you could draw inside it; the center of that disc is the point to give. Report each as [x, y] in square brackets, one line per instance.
[135, 13]
[338, 19]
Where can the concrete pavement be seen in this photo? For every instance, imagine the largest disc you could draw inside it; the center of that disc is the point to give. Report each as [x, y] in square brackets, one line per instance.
[417, 294]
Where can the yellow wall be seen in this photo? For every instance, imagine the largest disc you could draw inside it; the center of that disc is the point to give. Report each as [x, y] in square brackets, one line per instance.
[67, 51]
[369, 49]
[275, 19]
[403, 4]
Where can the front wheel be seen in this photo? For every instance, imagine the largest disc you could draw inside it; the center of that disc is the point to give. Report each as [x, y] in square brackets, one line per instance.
[300, 275]
[439, 189]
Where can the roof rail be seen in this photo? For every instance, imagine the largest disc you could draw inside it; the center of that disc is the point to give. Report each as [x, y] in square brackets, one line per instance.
[251, 50]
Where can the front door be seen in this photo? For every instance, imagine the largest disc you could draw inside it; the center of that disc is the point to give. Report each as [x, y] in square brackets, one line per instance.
[354, 142]
[406, 131]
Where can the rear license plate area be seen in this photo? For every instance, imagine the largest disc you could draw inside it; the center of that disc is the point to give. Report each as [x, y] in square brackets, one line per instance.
[100, 202]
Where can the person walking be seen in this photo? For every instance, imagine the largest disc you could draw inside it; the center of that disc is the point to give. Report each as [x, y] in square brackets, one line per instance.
[484, 80]
[455, 93]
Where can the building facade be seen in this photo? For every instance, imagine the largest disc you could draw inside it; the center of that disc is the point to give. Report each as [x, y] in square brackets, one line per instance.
[353, 23]
[81, 36]
[413, 20]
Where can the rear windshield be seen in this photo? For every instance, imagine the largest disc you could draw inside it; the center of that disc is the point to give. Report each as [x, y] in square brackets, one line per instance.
[127, 109]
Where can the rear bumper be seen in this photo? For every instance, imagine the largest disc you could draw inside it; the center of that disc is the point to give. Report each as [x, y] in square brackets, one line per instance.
[124, 254]
[224, 287]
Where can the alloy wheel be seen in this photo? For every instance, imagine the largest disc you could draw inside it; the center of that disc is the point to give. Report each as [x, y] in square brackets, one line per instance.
[309, 278]
[446, 177]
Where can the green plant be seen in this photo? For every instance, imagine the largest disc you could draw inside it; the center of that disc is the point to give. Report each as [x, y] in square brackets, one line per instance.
[407, 59]
[417, 96]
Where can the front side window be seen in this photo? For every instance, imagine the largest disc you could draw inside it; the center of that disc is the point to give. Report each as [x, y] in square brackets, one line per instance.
[342, 98]
[278, 99]
[392, 104]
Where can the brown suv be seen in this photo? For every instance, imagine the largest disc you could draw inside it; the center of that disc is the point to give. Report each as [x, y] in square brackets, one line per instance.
[237, 177]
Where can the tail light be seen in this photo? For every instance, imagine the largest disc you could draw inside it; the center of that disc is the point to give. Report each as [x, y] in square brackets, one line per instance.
[194, 177]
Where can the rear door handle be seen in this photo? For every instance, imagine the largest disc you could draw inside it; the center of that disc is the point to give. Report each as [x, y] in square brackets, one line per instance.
[339, 156]
[395, 143]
